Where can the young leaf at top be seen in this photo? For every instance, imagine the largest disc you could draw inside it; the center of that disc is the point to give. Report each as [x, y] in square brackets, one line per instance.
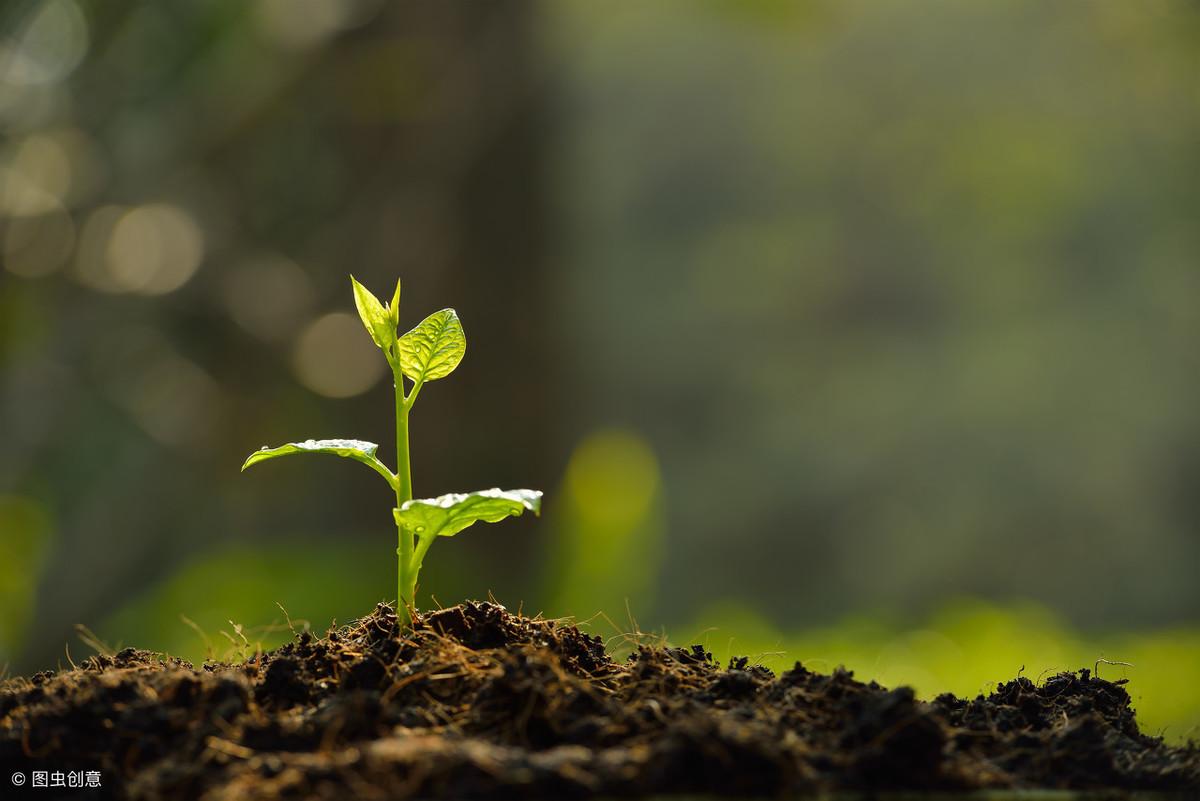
[354, 449]
[447, 515]
[434, 348]
[376, 319]
[394, 307]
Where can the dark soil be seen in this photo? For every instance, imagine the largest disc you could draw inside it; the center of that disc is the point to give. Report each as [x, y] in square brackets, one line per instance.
[479, 703]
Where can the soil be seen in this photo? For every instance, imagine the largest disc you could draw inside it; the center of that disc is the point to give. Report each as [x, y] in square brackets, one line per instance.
[475, 702]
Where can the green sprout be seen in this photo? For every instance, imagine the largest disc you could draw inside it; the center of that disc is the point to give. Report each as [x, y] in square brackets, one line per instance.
[428, 352]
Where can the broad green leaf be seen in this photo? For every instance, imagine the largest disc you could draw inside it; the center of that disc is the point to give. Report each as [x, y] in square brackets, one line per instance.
[434, 348]
[447, 515]
[354, 449]
[374, 316]
[394, 307]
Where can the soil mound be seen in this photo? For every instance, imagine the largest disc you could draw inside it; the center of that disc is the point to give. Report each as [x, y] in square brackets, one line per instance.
[476, 702]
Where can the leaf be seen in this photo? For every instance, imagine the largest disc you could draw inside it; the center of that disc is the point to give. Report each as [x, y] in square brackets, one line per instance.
[394, 307]
[434, 348]
[447, 515]
[354, 449]
[374, 316]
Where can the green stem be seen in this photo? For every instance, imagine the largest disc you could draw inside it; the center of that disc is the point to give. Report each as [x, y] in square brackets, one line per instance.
[406, 583]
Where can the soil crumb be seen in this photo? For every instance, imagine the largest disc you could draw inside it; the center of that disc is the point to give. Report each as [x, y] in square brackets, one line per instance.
[476, 702]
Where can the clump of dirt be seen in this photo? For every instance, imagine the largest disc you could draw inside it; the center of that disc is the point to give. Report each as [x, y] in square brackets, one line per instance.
[475, 702]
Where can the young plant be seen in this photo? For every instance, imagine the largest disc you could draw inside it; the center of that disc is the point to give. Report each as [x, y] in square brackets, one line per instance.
[428, 352]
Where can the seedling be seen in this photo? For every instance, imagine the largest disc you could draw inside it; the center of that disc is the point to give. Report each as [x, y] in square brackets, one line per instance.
[428, 352]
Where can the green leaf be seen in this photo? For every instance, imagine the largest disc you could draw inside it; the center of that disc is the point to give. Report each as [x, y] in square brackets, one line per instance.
[447, 515]
[376, 319]
[434, 348]
[394, 307]
[354, 449]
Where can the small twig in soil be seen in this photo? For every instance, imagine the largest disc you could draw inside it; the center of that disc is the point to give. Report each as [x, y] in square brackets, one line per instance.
[1096, 667]
[631, 640]
[1044, 672]
[291, 625]
[209, 653]
[229, 749]
[703, 633]
[246, 646]
[633, 624]
[89, 638]
[758, 658]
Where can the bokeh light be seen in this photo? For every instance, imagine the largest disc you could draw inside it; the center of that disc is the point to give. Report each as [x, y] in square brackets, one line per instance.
[333, 358]
[50, 44]
[154, 249]
[37, 177]
[268, 295]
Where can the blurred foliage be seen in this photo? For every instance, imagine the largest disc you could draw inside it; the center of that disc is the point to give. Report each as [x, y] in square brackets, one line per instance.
[24, 547]
[903, 294]
[607, 533]
[266, 592]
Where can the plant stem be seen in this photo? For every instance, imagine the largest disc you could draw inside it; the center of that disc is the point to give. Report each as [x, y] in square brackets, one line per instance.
[405, 585]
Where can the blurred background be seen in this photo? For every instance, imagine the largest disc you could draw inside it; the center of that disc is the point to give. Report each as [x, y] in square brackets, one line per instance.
[855, 332]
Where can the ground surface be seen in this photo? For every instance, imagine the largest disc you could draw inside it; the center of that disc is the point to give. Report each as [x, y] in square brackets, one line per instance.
[479, 703]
